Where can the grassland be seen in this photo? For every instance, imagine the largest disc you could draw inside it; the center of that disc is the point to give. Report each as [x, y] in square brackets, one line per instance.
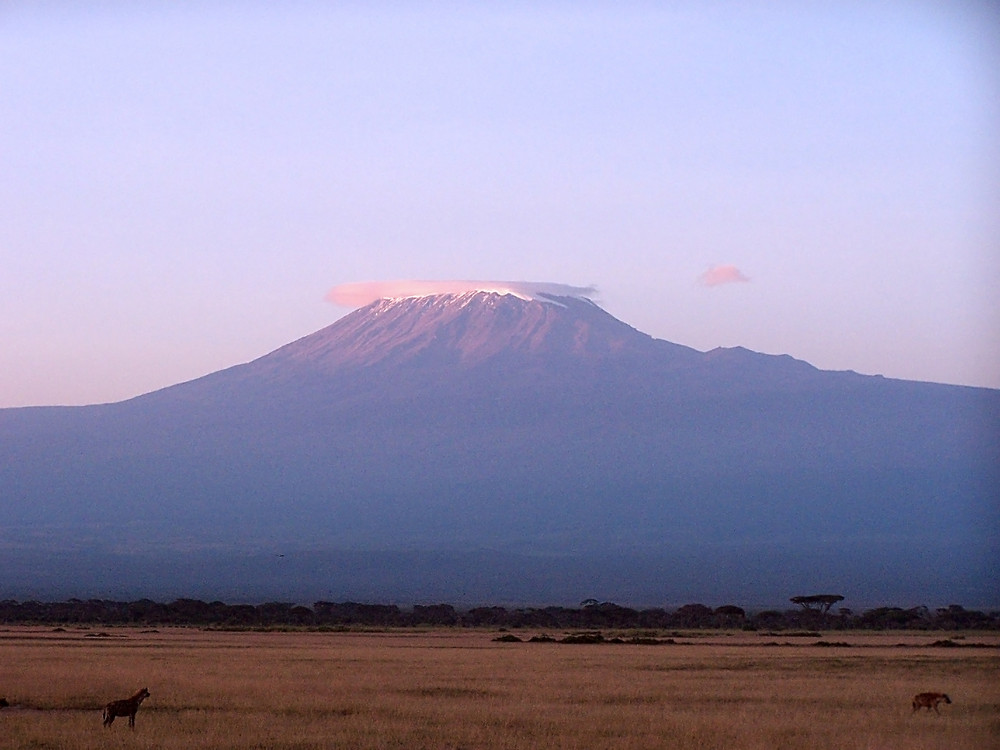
[462, 689]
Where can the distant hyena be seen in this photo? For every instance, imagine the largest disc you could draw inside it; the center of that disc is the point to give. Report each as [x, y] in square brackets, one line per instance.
[126, 707]
[929, 701]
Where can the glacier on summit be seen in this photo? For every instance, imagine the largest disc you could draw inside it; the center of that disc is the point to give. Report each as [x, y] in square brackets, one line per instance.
[362, 293]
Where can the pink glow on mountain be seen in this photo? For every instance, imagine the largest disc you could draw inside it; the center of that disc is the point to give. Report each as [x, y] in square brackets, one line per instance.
[362, 293]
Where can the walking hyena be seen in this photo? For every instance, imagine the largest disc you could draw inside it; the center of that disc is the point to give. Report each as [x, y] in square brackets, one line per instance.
[929, 701]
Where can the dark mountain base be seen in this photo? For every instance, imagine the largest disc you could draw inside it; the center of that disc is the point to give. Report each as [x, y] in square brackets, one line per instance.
[753, 577]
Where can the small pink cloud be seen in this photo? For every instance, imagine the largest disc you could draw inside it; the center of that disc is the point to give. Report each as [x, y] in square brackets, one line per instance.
[724, 274]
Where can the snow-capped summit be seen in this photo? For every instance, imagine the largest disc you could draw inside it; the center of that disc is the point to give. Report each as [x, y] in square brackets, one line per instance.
[467, 328]
[363, 293]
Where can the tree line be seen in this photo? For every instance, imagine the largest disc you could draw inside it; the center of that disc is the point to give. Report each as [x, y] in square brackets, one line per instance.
[591, 614]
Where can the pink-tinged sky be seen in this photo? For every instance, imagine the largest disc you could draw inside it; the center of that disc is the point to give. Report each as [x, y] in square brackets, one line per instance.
[181, 184]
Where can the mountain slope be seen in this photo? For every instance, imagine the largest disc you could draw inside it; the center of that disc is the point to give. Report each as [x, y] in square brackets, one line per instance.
[488, 425]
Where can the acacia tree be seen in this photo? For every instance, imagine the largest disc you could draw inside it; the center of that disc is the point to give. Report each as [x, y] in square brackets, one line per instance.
[817, 602]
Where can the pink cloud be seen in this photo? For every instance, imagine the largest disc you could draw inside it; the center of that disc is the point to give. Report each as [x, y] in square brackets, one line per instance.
[364, 292]
[724, 274]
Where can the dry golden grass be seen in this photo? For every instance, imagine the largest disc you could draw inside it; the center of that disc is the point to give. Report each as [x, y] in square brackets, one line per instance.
[460, 689]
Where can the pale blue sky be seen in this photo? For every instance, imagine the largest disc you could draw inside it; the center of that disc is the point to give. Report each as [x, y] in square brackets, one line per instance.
[182, 183]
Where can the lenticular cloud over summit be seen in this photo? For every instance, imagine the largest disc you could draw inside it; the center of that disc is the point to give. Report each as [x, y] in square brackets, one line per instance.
[725, 274]
[364, 292]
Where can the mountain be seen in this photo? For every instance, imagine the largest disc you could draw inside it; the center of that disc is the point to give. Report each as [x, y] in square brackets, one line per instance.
[487, 447]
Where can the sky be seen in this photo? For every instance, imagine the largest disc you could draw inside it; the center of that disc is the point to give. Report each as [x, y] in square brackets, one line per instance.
[183, 184]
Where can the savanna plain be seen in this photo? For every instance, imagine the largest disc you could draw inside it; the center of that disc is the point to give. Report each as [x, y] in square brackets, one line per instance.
[461, 688]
